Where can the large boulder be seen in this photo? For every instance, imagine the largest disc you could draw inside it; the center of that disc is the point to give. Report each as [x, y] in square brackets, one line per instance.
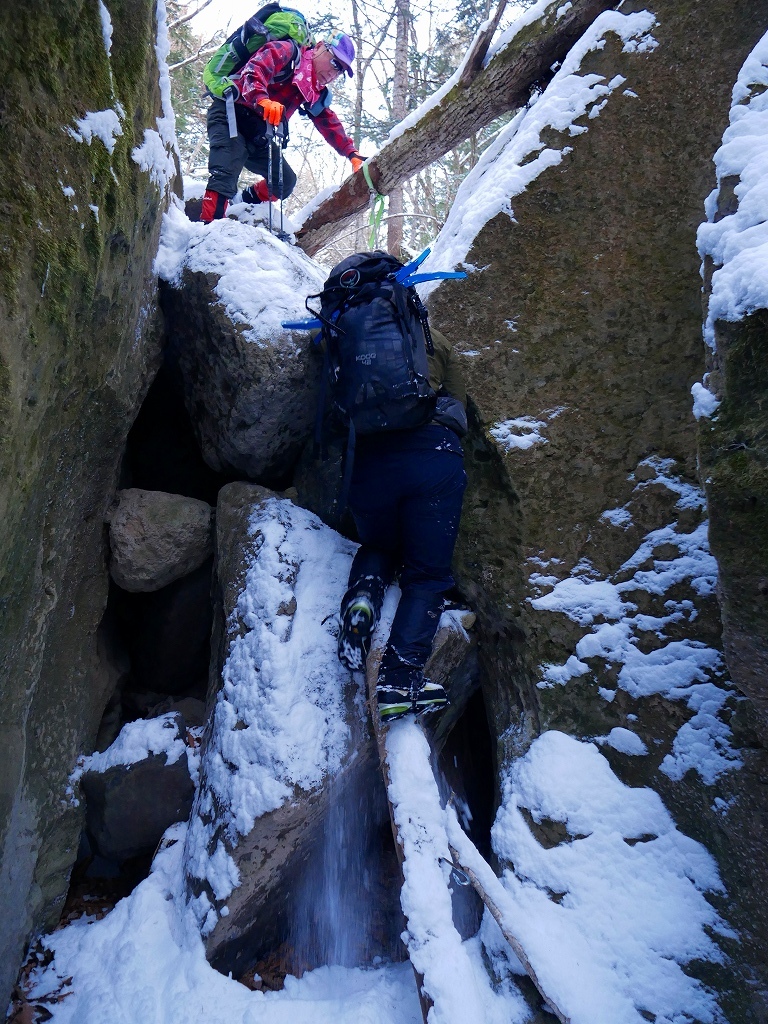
[286, 727]
[81, 210]
[156, 538]
[251, 388]
[138, 787]
[580, 332]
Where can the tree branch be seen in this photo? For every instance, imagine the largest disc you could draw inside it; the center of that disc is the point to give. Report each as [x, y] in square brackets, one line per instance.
[480, 46]
[191, 60]
[189, 17]
[506, 83]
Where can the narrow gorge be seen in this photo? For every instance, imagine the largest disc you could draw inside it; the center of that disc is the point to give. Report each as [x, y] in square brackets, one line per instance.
[172, 557]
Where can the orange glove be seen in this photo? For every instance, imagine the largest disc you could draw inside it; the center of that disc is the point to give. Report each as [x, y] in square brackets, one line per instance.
[357, 161]
[273, 111]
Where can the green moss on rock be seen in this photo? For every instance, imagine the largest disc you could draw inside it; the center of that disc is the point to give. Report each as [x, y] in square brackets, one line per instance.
[77, 351]
[734, 454]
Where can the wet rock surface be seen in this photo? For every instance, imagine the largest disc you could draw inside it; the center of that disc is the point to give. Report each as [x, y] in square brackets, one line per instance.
[79, 345]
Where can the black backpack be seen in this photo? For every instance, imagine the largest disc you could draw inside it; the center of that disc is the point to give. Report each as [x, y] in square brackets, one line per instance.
[376, 343]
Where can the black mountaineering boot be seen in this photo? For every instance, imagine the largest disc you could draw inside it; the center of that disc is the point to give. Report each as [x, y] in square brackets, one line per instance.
[403, 690]
[431, 697]
[393, 702]
[248, 195]
[397, 689]
[357, 623]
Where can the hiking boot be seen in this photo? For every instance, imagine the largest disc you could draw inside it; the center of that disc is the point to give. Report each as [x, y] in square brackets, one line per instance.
[254, 194]
[357, 624]
[193, 208]
[393, 702]
[248, 196]
[430, 697]
[397, 689]
[214, 206]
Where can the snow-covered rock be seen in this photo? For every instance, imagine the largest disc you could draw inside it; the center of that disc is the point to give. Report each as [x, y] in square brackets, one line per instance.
[137, 787]
[733, 243]
[251, 387]
[287, 719]
[584, 542]
[155, 538]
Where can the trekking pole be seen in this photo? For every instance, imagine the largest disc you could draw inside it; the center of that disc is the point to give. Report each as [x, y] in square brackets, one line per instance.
[270, 134]
[280, 139]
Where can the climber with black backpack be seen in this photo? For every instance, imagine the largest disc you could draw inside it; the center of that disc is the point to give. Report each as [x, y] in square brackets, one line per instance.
[266, 71]
[396, 385]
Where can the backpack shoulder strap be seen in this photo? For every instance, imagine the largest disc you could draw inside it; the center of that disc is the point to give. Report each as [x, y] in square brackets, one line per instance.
[288, 70]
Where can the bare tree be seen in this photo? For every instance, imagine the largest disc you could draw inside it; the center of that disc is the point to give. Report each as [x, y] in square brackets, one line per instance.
[505, 84]
[399, 110]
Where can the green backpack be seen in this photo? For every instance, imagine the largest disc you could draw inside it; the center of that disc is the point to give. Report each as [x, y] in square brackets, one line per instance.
[268, 23]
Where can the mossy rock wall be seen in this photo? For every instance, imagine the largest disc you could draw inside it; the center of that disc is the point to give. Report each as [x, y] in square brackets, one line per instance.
[584, 314]
[734, 462]
[79, 231]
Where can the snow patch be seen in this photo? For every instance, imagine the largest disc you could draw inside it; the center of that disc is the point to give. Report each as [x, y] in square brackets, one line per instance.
[508, 438]
[738, 244]
[156, 153]
[583, 601]
[623, 740]
[100, 124]
[624, 861]
[507, 432]
[705, 404]
[106, 27]
[617, 517]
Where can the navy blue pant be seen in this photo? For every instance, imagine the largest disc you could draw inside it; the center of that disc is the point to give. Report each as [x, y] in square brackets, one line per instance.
[406, 503]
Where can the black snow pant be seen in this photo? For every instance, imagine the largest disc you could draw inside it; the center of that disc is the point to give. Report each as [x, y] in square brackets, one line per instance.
[405, 498]
[249, 149]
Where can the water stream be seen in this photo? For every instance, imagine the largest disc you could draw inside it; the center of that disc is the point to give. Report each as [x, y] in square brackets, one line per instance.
[348, 898]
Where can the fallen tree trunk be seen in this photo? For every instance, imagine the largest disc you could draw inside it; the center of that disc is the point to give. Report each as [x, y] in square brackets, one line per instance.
[505, 84]
[372, 676]
[464, 853]
[493, 894]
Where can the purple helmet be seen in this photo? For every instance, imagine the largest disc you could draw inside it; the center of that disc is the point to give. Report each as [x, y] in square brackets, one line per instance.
[342, 48]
